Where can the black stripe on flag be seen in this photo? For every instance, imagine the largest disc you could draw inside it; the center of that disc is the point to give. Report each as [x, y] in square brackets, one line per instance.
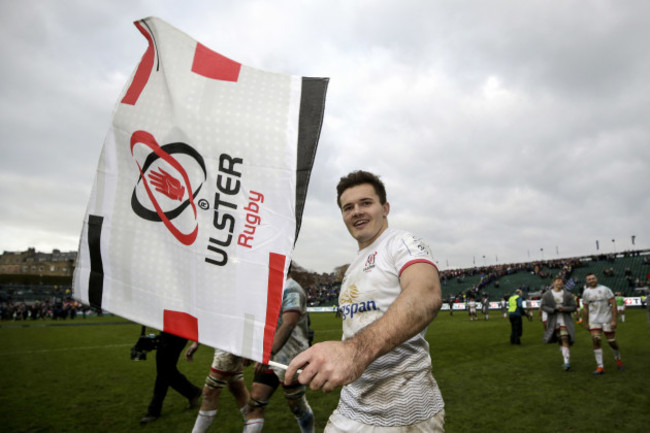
[96, 279]
[312, 109]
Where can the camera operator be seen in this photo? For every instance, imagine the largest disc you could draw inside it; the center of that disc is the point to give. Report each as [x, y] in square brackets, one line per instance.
[169, 349]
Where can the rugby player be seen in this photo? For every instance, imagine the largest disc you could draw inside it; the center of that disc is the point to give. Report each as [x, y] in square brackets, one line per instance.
[291, 338]
[620, 306]
[389, 295]
[471, 306]
[600, 317]
[226, 370]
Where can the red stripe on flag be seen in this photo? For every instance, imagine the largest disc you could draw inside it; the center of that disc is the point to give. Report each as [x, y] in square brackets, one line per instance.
[143, 72]
[273, 301]
[213, 65]
[181, 324]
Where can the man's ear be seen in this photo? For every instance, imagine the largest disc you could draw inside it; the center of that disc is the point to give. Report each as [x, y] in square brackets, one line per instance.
[386, 209]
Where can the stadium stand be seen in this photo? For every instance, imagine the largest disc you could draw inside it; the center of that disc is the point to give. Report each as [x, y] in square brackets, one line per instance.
[627, 272]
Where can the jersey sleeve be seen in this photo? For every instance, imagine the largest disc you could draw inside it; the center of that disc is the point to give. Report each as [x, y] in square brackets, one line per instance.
[291, 302]
[409, 249]
[292, 299]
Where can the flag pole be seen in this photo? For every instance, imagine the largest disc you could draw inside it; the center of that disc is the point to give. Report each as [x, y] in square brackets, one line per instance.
[282, 366]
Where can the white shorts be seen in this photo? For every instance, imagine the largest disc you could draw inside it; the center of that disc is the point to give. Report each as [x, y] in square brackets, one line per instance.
[605, 327]
[620, 308]
[337, 423]
[226, 363]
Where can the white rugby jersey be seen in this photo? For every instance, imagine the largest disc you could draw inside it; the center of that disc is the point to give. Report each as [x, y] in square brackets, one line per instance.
[600, 310]
[397, 389]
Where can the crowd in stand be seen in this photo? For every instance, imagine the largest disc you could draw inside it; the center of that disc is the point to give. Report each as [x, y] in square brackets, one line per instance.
[62, 310]
[321, 294]
[22, 302]
[545, 270]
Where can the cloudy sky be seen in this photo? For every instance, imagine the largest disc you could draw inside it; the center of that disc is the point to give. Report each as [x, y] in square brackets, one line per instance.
[500, 128]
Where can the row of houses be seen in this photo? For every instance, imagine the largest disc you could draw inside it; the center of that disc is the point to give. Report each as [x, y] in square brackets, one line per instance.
[31, 262]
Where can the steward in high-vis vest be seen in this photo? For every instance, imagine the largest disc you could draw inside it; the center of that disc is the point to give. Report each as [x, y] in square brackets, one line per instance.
[515, 312]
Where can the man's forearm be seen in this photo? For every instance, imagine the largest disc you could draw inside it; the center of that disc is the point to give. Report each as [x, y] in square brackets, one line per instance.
[331, 364]
[395, 327]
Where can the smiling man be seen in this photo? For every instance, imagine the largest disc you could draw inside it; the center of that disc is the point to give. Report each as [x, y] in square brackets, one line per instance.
[389, 295]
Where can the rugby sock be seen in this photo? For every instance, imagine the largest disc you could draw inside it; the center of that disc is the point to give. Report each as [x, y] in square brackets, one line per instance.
[254, 425]
[204, 420]
[244, 411]
[565, 354]
[306, 421]
[598, 353]
[617, 354]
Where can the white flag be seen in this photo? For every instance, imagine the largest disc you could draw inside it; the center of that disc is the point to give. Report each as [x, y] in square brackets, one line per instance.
[198, 195]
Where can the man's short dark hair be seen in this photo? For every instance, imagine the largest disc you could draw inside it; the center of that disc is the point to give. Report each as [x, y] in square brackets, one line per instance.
[360, 177]
[590, 273]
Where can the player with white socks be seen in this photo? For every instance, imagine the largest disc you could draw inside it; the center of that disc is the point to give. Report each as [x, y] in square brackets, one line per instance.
[471, 306]
[485, 307]
[291, 338]
[226, 370]
[559, 304]
[600, 317]
[295, 396]
[620, 306]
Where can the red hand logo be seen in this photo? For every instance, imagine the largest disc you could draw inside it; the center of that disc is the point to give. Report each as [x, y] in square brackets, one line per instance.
[167, 184]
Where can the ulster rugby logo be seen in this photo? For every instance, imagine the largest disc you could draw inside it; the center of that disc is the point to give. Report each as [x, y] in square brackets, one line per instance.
[370, 262]
[170, 177]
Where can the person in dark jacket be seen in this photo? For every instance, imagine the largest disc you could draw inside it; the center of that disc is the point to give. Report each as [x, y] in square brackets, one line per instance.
[167, 375]
[515, 312]
[559, 304]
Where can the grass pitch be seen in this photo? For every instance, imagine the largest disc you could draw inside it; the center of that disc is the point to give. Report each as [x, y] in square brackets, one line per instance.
[76, 376]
